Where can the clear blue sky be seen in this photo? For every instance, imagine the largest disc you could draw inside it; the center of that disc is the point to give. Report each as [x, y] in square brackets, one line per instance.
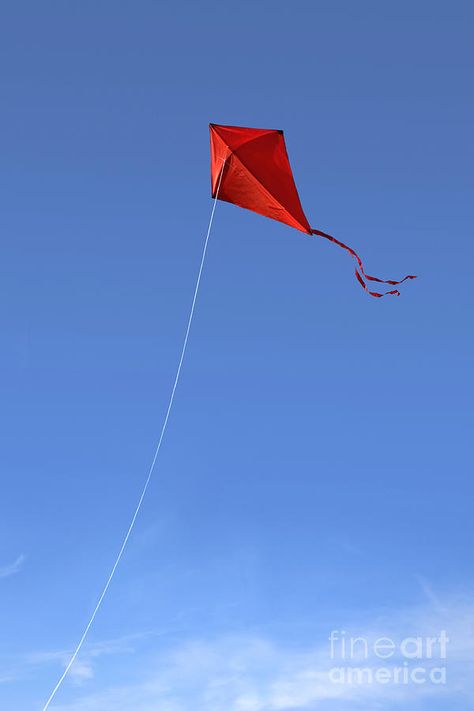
[317, 472]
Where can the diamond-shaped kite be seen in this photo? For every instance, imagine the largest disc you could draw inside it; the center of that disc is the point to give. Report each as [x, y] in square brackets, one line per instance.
[250, 168]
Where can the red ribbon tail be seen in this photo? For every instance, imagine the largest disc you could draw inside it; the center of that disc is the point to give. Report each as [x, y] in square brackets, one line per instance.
[360, 272]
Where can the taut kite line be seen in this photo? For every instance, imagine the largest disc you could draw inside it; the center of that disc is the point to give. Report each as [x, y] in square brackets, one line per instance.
[250, 168]
[257, 175]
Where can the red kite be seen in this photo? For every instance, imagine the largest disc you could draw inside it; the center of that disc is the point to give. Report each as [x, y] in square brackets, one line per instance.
[250, 168]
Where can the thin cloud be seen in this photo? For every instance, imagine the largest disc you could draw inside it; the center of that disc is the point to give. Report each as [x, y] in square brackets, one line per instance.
[7, 571]
[250, 673]
[83, 668]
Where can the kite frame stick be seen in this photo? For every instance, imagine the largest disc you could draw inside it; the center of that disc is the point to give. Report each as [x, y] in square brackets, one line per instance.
[155, 456]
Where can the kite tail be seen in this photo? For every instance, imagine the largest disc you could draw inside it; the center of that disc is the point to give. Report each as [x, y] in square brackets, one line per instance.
[361, 275]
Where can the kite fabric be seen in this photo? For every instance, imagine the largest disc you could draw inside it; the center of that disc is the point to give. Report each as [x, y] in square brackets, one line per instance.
[251, 166]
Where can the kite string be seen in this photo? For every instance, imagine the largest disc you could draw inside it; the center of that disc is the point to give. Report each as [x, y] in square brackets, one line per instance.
[152, 466]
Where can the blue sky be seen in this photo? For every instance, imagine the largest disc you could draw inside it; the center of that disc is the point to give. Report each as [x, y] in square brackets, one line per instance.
[316, 471]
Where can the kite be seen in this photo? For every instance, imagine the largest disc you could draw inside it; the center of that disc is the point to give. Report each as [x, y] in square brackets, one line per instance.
[250, 168]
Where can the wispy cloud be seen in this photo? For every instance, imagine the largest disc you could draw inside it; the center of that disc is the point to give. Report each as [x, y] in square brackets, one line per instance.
[26, 667]
[83, 667]
[81, 670]
[254, 673]
[245, 672]
[6, 571]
